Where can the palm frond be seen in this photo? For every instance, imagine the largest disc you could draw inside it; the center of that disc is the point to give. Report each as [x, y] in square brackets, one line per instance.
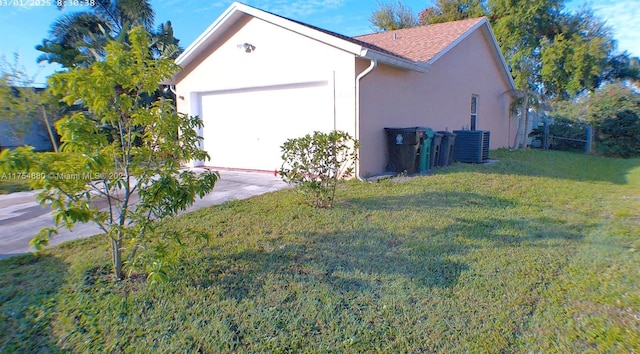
[76, 26]
[135, 13]
[164, 45]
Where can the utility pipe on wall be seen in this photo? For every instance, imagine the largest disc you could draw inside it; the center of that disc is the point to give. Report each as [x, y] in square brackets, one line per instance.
[374, 63]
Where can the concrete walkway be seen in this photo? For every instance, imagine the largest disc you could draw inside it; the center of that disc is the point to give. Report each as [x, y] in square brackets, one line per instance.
[21, 217]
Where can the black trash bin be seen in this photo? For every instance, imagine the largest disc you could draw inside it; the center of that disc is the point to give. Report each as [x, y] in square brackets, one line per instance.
[435, 150]
[403, 145]
[446, 148]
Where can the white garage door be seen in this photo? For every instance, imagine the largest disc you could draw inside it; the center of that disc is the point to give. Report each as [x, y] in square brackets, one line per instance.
[245, 128]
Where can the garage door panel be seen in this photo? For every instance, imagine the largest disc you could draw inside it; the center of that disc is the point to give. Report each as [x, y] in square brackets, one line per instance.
[245, 128]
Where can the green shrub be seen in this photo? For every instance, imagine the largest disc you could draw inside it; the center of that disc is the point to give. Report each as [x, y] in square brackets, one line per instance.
[619, 135]
[316, 162]
[615, 113]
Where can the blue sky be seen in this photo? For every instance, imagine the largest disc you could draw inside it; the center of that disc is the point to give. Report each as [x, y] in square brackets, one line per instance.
[23, 27]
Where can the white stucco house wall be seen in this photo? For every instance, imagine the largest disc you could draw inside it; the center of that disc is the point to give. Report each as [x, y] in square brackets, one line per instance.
[257, 79]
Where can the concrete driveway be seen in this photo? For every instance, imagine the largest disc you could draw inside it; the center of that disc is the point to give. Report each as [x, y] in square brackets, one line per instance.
[21, 217]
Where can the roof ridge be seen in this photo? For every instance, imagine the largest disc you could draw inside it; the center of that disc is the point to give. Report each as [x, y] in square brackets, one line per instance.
[422, 43]
[431, 25]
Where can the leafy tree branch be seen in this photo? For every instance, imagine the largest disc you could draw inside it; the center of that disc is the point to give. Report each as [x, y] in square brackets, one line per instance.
[120, 160]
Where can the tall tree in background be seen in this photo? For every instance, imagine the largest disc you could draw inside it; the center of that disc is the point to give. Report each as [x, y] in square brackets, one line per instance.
[393, 16]
[452, 10]
[575, 59]
[78, 39]
[521, 26]
[164, 45]
[622, 67]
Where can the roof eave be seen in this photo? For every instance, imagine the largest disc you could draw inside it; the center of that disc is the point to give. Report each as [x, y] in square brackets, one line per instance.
[421, 67]
[237, 10]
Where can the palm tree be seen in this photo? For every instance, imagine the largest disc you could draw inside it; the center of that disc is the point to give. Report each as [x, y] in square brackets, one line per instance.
[79, 39]
[125, 14]
[164, 45]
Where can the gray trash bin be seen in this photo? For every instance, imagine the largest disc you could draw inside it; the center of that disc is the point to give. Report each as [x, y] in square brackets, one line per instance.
[446, 148]
[435, 150]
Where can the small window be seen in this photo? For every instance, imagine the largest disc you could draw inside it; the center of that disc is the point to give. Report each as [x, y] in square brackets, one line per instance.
[474, 111]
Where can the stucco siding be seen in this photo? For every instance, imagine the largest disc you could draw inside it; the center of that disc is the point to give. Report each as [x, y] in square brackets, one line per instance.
[389, 97]
[470, 69]
[294, 79]
[439, 99]
[281, 57]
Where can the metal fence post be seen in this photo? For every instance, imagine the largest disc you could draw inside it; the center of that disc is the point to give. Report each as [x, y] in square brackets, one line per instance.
[545, 140]
[589, 139]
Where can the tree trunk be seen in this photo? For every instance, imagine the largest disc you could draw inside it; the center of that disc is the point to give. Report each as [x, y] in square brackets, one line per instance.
[519, 141]
[525, 120]
[116, 254]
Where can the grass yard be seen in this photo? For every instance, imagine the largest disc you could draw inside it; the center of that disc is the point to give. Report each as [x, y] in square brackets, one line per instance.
[539, 252]
[13, 185]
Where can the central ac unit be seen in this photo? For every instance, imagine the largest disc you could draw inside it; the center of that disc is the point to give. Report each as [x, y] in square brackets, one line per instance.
[471, 146]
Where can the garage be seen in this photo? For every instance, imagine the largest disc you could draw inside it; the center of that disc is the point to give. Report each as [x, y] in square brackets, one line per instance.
[244, 128]
[257, 79]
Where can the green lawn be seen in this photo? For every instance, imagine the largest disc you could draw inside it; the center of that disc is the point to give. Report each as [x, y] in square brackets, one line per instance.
[539, 252]
[13, 185]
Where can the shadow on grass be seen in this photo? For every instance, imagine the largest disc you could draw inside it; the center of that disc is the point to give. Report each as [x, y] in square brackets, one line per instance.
[427, 201]
[553, 164]
[347, 261]
[461, 211]
[508, 232]
[364, 261]
[28, 287]
[361, 257]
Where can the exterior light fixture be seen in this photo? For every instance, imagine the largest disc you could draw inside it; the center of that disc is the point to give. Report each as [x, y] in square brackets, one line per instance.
[248, 47]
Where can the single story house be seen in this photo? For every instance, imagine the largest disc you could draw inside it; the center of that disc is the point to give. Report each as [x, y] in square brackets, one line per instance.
[257, 79]
[36, 136]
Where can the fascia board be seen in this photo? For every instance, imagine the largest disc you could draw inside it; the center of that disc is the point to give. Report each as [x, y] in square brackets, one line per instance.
[395, 61]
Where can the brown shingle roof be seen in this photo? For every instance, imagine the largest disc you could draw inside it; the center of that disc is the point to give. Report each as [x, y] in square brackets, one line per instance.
[420, 43]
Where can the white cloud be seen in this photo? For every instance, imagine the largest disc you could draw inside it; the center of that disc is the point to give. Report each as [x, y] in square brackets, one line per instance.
[623, 16]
